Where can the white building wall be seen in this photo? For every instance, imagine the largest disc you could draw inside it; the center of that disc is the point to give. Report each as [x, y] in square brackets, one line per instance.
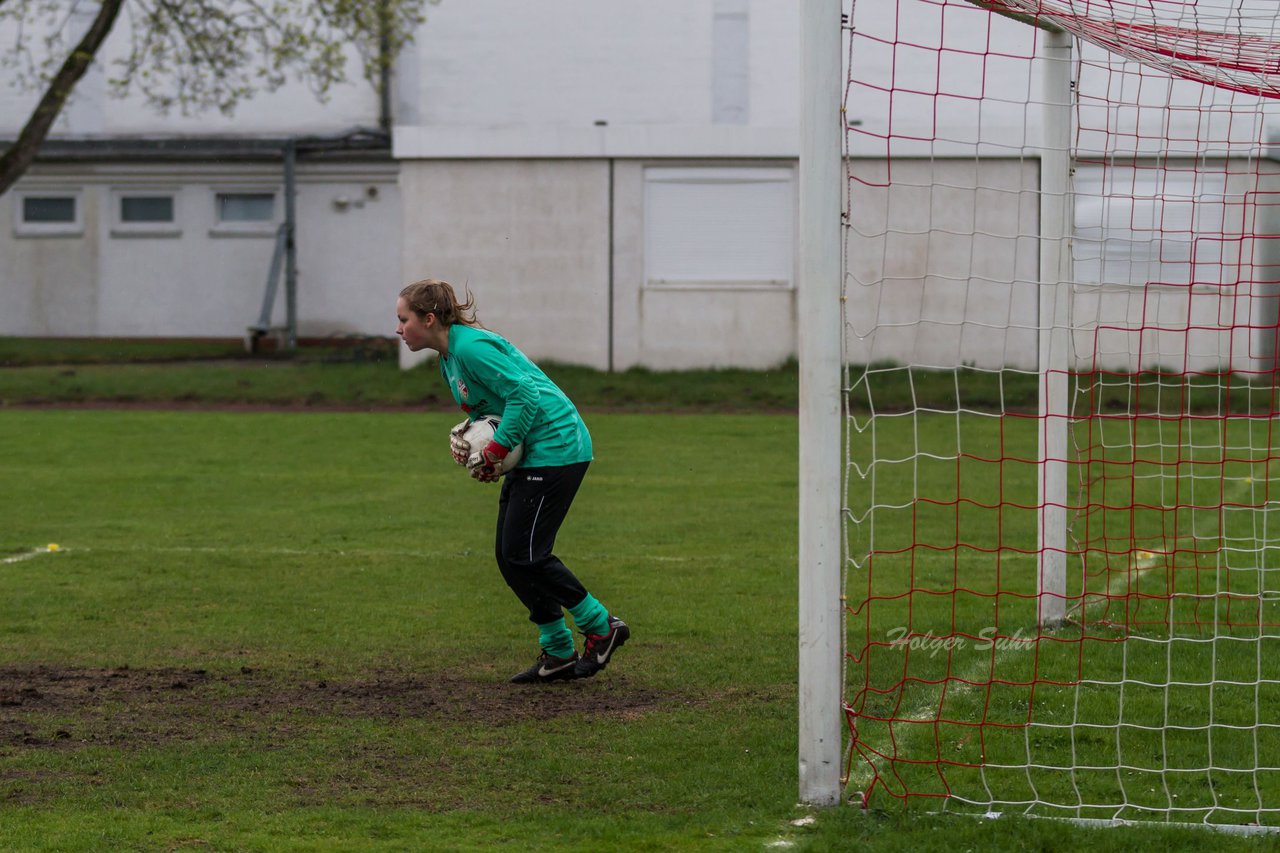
[49, 283]
[200, 280]
[529, 238]
[928, 293]
[523, 135]
[592, 94]
[504, 63]
[554, 251]
[943, 266]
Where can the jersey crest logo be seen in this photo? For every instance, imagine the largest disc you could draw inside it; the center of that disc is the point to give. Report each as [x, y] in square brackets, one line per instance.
[462, 389]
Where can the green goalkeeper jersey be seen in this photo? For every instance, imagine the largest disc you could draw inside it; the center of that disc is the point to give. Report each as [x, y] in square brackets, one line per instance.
[487, 375]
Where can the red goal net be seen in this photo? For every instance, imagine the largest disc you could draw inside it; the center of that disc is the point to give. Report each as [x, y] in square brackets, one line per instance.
[1062, 283]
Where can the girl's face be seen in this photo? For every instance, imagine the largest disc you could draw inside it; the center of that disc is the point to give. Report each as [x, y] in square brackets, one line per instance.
[411, 327]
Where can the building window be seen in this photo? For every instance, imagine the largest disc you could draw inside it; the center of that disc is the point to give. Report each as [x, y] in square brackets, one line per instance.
[48, 209]
[719, 227]
[145, 213]
[244, 213]
[146, 208]
[246, 207]
[43, 214]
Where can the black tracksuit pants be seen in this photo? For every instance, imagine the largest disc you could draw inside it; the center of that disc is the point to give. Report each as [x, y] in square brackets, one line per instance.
[531, 508]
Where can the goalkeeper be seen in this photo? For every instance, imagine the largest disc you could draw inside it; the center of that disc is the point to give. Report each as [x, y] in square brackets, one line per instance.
[487, 375]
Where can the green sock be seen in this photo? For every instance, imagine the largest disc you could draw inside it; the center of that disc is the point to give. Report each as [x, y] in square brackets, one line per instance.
[555, 638]
[590, 616]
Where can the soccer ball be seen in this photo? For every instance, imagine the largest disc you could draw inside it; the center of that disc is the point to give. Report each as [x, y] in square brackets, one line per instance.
[478, 436]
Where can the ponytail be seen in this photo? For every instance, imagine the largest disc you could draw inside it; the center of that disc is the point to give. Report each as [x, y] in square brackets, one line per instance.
[432, 296]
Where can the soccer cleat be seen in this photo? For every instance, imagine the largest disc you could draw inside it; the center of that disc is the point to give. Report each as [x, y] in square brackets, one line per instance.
[600, 647]
[546, 668]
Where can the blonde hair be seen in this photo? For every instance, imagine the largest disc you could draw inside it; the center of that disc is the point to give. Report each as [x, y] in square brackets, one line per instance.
[433, 296]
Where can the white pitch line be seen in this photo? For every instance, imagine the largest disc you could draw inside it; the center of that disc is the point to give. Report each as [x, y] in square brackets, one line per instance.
[27, 555]
[300, 552]
[1146, 561]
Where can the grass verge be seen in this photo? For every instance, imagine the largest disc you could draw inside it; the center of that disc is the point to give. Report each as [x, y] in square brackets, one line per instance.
[364, 374]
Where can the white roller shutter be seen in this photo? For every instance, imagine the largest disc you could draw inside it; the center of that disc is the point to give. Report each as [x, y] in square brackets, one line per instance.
[719, 227]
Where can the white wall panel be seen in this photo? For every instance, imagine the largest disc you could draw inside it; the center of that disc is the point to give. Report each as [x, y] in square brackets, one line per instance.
[530, 238]
[517, 70]
[715, 224]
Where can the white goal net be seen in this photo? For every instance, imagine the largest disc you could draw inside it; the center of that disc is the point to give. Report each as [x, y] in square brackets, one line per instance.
[1062, 296]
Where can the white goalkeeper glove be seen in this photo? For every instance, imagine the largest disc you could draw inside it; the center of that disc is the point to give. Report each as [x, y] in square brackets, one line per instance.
[459, 446]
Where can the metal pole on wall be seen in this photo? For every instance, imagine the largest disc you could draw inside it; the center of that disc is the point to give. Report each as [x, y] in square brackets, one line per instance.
[291, 245]
[821, 416]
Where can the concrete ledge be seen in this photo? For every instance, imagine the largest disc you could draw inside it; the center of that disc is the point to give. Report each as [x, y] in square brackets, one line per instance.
[604, 141]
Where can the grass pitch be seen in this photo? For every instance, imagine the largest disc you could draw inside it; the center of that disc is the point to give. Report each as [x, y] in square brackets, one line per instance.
[285, 631]
[278, 631]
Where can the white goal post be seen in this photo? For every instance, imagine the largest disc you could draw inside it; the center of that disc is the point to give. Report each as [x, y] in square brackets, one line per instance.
[821, 552]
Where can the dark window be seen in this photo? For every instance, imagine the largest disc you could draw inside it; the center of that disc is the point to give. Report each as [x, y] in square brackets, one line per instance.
[246, 207]
[146, 208]
[49, 209]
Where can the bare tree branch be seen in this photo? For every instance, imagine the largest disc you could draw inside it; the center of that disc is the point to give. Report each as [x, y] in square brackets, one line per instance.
[195, 55]
[19, 156]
